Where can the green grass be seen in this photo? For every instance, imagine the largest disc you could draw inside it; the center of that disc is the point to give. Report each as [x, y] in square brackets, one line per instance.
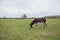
[16, 29]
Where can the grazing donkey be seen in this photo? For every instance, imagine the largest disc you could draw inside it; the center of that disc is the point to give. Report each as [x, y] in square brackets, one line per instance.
[37, 20]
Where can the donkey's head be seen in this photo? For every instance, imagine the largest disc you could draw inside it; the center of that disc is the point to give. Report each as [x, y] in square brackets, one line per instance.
[30, 25]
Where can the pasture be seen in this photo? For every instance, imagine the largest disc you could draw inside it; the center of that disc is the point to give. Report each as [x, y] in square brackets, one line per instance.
[18, 29]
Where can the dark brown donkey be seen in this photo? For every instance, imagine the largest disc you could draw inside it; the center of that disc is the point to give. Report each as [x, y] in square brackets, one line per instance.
[37, 20]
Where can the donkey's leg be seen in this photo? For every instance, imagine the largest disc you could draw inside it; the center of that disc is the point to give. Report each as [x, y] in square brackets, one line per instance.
[38, 24]
[45, 25]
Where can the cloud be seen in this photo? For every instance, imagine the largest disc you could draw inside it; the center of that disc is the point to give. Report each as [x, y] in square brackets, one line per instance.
[29, 7]
[13, 10]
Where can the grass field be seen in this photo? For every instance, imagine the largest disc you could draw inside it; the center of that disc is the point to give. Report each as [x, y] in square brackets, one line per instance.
[18, 29]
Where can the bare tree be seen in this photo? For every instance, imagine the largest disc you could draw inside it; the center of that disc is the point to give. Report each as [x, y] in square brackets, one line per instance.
[24, 16]
[4, 17]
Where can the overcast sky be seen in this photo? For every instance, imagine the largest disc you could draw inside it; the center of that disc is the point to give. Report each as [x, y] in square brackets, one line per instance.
[32, 8]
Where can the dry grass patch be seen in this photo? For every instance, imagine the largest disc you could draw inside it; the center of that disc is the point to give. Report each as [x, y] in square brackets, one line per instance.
[47, 34]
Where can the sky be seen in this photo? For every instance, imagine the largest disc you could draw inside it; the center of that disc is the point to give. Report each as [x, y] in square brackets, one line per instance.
[32, 8]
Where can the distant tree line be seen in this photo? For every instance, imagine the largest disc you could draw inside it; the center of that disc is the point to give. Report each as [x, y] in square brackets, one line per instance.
[52, 17]
[24, 16]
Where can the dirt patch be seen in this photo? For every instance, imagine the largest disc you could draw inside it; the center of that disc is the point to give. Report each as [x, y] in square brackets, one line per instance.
[2, 35]
[47, 34]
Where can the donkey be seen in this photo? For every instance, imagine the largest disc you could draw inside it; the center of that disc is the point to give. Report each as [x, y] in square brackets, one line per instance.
[37, 20]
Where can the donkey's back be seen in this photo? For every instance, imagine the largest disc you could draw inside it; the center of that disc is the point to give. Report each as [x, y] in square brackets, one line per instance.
[40, 20]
